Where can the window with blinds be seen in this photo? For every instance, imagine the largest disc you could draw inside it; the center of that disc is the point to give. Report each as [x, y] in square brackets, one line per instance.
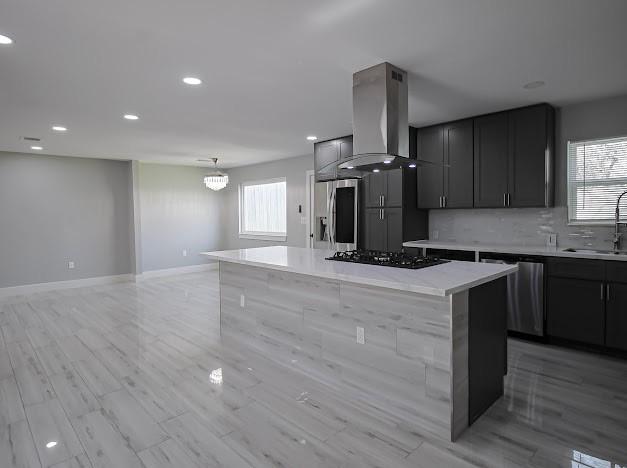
[597, 175]
[262, 209]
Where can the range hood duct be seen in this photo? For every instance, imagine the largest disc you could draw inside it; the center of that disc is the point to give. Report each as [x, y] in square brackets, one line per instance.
[380, 123]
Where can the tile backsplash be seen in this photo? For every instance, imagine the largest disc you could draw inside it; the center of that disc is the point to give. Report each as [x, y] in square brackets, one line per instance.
[516, 226]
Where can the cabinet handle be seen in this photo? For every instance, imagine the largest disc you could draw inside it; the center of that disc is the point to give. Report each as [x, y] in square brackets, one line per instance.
[602, 292]
[440, 201]
[509, 201]
[608, 293]
[443, 201]
[504, 199]
[382, 200]
[382, 213]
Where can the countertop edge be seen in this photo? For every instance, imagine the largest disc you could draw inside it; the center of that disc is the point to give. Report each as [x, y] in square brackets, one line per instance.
[368, 282]
[520, 250]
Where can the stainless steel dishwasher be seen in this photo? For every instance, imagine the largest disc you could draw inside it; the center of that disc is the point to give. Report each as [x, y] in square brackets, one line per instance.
[525, 292]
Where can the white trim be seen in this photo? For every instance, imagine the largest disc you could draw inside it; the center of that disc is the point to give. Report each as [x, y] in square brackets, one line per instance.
[309, 186]
[176, 271]
[59, 285]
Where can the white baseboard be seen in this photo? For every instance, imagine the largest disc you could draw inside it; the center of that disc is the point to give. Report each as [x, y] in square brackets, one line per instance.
[176, 271]
[58, 285]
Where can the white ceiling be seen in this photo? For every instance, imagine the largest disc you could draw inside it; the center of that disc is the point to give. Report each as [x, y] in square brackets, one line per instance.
[276, 71]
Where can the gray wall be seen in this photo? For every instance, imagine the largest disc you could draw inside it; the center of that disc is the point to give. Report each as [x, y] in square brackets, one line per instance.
[595, 119]
[54, 210]
[177, 213]
[294, 170]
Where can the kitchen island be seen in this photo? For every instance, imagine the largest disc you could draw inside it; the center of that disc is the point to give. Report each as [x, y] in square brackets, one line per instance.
[423, 348]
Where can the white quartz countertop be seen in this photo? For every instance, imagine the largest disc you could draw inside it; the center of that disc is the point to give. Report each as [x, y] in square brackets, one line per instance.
[514, 249]
[438, 280]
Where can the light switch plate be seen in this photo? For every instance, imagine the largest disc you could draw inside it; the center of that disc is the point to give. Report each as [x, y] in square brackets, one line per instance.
[361, 338]
[184, 253]
[242, 300]
[303, 220]
[70, 265]
[435, 234]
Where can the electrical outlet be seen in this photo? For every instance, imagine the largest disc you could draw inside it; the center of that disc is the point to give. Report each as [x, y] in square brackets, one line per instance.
[361, 338]
[551, 240]
[70, 265]
[242, 300]
[435, 234]
[184, 253]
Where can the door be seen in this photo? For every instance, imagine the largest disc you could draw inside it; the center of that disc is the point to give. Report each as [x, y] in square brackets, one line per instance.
[375, 229]
[394, 193]
[490, 160]
[527, 180]
[375, 189]
[394, 227]
[458, 155]
[576, 310]
[431, 177]
[616, 330]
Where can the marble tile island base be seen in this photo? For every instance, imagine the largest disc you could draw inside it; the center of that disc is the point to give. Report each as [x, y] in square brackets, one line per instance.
[429, 363]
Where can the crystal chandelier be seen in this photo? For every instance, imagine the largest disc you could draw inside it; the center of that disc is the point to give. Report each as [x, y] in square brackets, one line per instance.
[216, 180]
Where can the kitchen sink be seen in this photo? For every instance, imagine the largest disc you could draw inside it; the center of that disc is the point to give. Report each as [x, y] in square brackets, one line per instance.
[594, 251]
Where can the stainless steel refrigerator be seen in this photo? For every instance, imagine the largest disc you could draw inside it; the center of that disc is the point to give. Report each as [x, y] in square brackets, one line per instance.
[335, 214]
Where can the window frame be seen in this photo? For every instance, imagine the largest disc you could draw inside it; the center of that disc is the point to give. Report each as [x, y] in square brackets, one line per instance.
[258, 235]
[570, 184]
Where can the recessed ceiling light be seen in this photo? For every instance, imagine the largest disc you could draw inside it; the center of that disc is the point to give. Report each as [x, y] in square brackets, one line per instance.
[412, 166]
[387, 161]
[36, 148]
[312, 138]
[51, 444]
[350, 167]
[59, 128]
[191, 80]
[130, 117]
[375, 170]
[534, 84]
[5, 40]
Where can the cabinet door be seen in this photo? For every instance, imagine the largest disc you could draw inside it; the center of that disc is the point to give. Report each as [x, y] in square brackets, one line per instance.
[490, 160]
[375, 187]
[394, 220]
[458, 155]
[394, 192]
[325, 153]
[346, 147]
[616, 329]
[576, 310]
[375, 230]
[529, 154]
[430, 177]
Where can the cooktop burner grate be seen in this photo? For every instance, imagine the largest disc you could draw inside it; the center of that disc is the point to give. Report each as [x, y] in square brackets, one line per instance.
[393, 259]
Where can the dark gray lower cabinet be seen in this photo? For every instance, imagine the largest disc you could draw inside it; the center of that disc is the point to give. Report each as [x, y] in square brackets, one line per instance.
[576, 310]
[394, 225]
[616, 316]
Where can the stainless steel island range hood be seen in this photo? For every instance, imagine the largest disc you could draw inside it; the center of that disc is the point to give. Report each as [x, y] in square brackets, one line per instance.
[380, 123]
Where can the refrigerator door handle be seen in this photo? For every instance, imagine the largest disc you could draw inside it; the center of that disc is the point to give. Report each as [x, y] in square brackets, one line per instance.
[332, 216]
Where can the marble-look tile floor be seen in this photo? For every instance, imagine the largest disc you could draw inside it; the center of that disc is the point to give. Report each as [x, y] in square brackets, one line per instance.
[135, 375]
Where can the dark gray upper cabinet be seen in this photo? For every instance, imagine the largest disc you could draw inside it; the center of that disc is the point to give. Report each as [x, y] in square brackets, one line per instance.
[458, 156]
[513, 158]
[431, 177]
[375, 189]
[327, 152]
[448, 183]
[394, 192]
[491, 149]
[530, 178]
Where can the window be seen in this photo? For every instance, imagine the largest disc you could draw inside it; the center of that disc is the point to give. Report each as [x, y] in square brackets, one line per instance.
[262, 210]
[597, 175]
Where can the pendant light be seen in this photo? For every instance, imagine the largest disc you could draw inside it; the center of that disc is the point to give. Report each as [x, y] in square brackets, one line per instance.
[216, 180]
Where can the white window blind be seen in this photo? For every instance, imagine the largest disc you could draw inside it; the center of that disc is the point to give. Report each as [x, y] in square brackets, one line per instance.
[262, 208]
[597, 175]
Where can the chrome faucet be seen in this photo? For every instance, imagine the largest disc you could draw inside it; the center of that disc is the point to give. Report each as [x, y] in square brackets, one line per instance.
[617, 234]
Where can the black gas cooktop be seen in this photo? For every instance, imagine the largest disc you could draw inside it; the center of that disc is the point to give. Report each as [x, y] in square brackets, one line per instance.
[393, 259]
